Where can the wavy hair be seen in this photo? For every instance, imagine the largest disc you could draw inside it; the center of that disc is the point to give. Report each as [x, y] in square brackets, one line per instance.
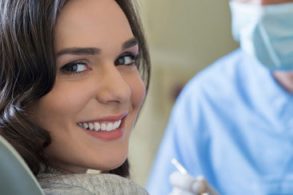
[28, 71]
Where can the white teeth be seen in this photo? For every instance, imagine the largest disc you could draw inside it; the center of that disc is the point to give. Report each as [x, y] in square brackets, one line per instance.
[91, 126]
[117, 124]
[103, 127]
[109, 127]
[97, 126]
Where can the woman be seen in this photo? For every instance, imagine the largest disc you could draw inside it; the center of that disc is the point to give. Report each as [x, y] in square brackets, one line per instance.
[71, 86]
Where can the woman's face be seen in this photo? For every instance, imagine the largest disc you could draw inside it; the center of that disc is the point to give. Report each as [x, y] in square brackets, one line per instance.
[98, 91]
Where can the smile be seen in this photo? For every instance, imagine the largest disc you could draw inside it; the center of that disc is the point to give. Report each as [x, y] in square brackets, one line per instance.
[100, 126]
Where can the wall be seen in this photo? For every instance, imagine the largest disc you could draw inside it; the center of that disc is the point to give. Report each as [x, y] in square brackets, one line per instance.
[184, 37]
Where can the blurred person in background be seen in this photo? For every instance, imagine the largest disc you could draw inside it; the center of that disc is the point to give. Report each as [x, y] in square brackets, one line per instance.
[233, 122]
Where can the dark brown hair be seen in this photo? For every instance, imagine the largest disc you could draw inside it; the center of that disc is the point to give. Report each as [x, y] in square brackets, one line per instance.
[28, 70]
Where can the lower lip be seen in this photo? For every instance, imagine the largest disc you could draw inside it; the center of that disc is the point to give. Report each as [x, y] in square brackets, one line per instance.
[107, 135]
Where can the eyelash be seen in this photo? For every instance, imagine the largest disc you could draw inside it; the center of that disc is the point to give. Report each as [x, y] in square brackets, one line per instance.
[133, 58]
[72, 67]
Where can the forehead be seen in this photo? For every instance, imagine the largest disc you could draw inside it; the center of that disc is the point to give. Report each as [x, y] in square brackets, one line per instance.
[91, 23]
[265, 2]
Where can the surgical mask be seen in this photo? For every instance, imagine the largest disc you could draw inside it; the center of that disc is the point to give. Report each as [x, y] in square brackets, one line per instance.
[265, 32]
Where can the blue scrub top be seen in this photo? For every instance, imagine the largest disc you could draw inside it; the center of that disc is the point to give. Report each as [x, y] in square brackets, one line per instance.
[233, 124]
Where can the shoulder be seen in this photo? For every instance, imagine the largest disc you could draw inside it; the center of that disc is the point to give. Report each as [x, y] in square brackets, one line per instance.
[217, 84]
[218, 78]
[224, 68]
[89, 184]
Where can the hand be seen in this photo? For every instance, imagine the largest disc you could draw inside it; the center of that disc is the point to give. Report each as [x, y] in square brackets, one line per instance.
[184, 184]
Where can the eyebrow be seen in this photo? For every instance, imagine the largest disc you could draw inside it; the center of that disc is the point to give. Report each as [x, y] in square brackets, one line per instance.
[93, 50]
[130, 43]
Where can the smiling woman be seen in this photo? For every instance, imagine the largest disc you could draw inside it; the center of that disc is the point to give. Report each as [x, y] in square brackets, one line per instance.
[73, 78]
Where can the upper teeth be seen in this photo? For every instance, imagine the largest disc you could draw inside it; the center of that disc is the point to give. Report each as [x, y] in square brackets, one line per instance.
[100, 126]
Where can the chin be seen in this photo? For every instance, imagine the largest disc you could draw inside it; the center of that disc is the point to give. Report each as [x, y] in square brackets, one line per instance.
[111, 163]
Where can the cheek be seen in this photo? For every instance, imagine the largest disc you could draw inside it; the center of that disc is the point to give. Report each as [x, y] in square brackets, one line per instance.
[138, 92]
[58, 107]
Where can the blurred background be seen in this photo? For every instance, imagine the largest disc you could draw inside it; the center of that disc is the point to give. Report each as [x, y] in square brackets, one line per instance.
[184, 36]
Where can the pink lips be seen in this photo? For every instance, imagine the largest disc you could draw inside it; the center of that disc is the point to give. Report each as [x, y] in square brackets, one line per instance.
[110, 118]
[109, 135]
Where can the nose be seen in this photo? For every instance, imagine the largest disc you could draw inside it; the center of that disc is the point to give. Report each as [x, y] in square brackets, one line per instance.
[114, 87]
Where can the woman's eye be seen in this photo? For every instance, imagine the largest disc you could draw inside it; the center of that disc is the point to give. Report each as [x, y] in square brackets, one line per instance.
[126, 59]
[75, 67]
